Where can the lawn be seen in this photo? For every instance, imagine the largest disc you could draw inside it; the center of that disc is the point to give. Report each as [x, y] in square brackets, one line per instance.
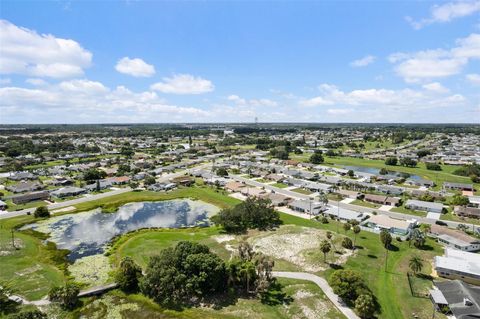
[280, 185]
[302, 191]
[364, 204]
[403, 210]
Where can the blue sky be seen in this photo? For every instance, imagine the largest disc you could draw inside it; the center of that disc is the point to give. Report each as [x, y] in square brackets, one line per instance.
[136, 61]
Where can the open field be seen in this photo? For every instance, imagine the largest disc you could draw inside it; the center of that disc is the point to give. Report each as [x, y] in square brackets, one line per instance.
[302, 191]
[364, 204]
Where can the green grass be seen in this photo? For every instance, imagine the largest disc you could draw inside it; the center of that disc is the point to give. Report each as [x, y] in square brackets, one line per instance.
[403, 210]
[30, 270]
[280, 185]
[302, 191]
[261, 180]
[364, 204]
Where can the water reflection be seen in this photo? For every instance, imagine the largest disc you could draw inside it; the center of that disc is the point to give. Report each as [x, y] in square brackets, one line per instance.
[86, 233]
[376, 171]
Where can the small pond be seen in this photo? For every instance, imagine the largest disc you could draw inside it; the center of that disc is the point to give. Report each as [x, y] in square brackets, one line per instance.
[376, 171]
[87, 233]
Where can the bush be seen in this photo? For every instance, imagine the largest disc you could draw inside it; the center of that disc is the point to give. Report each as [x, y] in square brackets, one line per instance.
[316, 158]
[128, 275]
[348, 285]
[433, 166]
[66, 296]
[29, 314]
[41, 212]
[391, 161]
[347, 243]
[324, 220]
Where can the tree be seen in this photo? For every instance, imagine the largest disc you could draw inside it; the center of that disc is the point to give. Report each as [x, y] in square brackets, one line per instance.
[128, 275]
[188, 270]
[248, 274]
[348, 284]
[66, 296]
[383, 171]
[221, 171]
[417, 237]
[330, 237]
[41, 212]
[392, 161]
[365, 306]
[351, 173]
[386, 240]
[29, 314]
[264, 267]
[245, 251]
[325, 247]
[356, 231]
[150, 180]
[347, 243]
[416, 264]
[93, 174]
[433, 166]
[408, 162]
[346, 227]
[316, 158]
[459, 200]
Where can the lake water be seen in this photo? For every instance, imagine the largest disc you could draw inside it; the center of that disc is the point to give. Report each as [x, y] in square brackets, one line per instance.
[87, 233]
[376, 171]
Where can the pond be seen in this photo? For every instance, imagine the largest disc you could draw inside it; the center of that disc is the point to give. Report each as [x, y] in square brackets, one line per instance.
[376, 171]
[87, 233]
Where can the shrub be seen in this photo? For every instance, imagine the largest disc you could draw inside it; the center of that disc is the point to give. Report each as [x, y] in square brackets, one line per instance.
[41, 212]
[347, 243]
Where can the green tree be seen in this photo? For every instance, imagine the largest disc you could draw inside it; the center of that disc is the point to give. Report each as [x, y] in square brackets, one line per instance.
[128, 275]
[459, 200]
[347, 243]
[41, 212]
[66, 296]
[365, 306]
[386, 240]
[93, 174]
[433, 166]
[348, 284]
[356, 231]
[351, 173]
[221, 171]
[150, 180]
[416, 264]
[316, 158]
[346, 227]
[325, 247]
[248, 274]
[408, 162]
[392, 161]
[29, 314]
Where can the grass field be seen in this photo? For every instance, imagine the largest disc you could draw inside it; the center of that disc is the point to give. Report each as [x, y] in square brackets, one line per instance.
[302, 191]
[364, 203]
[403, 210]
[280, 185]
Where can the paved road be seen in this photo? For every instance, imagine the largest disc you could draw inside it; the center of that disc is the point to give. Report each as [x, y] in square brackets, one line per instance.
[357, 208]
[94, 291]
[323, 284]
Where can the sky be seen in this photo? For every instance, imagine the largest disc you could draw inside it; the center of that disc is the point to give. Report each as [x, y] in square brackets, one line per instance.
[234, 61]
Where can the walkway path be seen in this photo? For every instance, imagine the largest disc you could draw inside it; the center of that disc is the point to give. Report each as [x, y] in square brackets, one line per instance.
[322, 283]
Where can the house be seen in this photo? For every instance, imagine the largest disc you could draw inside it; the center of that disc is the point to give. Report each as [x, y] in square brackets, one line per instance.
[30, 197]
[184, 180]
[18, 176]
[119, 180]
[424, 206]
[462, 299]
[161, 187]
[234, 186]
[472, 212]
[318, 187]
[101, 184]
[252, 191]
[350, 194]
[25, 186]
[392, 225]
[382, 200]
[419, 182]
[345, 214]
[294, 182]
[276, 199]
[458, 186]
[390, 190]
[419, 193]
[456, 264]
[3, 205]
[68, 191]
[274, 177]
[306, 206]
[454, 238]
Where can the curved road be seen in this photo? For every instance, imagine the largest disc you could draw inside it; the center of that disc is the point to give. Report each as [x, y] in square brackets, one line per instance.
[323, 284]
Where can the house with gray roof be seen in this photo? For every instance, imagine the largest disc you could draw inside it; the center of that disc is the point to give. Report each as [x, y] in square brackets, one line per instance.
[421, 205]
[462, 299]
[68, 191]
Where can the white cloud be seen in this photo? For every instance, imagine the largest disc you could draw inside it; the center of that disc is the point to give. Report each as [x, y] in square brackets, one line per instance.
[434, 95]
[435, 87]
[369, 59]
[253, 102]
[183, 84]
[24, 51]
[4, 81]
[447, 12]
[473, 78]
[89, 101]
[36, 82]
[438, 63]
[339, 111]
[135, 67]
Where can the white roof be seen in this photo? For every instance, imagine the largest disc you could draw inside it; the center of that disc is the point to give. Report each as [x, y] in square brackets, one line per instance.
[461, 261]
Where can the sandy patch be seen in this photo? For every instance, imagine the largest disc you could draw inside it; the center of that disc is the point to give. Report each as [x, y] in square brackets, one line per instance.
[62, 210]
[223, 238]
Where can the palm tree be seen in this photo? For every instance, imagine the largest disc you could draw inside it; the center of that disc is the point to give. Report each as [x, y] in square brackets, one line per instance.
[346, 227]
[330, 237]
[386, 240]
[247, 272]
[416, 264]
[325, 247]
[356, 230]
